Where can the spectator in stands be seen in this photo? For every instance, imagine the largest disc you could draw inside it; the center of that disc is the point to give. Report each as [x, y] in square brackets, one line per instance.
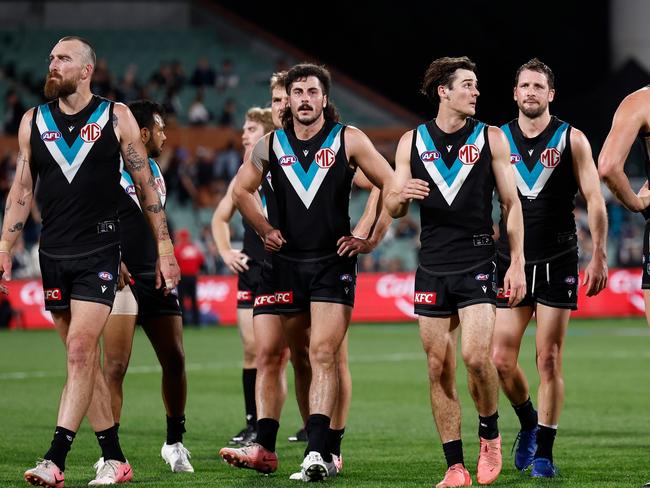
[162, 77]
[129, 89]
[102, 82]
[227, 163]
[190, 259]
[204, 74]
[212, 264]
[198, 114]
[178, 77]
[227, 117]
[172, 106]
[227, 78]
[14, 110]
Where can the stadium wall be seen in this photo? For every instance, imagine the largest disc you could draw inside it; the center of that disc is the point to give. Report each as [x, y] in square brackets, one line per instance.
[380, 297]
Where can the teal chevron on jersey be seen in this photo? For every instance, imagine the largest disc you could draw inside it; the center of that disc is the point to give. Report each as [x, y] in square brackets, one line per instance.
[127, 182]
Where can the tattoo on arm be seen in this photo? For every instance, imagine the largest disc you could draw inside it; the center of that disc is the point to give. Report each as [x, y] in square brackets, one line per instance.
[163, 232]
[115, 120]
[134, 161]
[155, 208]
[18, 226]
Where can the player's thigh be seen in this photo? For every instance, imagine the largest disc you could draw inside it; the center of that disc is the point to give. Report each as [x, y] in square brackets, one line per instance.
[552, 324]
[509, 327]
[165, 332]
[439, 336]
[245, 326]
[87, 320]
[329, 324]
[477, 328]
[269, 334]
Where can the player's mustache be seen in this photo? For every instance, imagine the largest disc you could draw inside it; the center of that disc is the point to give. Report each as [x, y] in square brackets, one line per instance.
[305, 107]
[53, 74]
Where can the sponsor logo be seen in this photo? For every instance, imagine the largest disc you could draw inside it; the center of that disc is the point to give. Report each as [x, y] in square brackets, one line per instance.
[484, 288]
[91, 132]
[570, 293]
[261, 300]
[50, 135]
[104, 288]
[550, 158]
[347, 277]
[53, 294]
[425, 297]
[482, 277]
[570, 280]
[130, 189]
[283, 297]
[469, 154]
[325, 157]
[515, 158]
[501, 293]
[287, 160]
[244, 296]
[105, 275]
[398, 288]
[429, 156]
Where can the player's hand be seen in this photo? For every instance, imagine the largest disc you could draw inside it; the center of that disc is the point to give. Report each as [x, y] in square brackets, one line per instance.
[124, 277]
[644, 195]
[414, 189]
[235, 260]
[167, 273]
[514, 284]
[351, 246]
[273, 240]
[595, 277]
[5, 266]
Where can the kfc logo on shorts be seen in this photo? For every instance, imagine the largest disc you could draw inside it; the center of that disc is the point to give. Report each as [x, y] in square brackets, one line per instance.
[482, 277]
[325, 158]
[105, 275]
[570, 280]
[244, 296]
[550, 158]
[52, 294]
[261, 300]
[50, 135]
[515, 158]
[429, 156]
[469, 154]
[501, 293]
[91, 132]
[287, 160]
[425, 297]
[283, 297]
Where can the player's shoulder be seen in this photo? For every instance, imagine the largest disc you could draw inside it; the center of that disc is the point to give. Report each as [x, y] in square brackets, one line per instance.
[636, 102]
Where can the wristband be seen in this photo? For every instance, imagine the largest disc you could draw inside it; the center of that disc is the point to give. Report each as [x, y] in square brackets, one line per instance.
[165, 248]
[5, 246]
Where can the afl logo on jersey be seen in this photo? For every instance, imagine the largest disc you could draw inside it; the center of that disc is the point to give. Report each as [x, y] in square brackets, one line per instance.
[50, 135]
[287, 160]
[325, 158]
[91, 132]
[130, 190]
[550, 158]
[515, 158]
[469, 154]
[429, 156]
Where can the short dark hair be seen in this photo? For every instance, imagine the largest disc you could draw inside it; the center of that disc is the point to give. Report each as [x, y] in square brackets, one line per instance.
[304, 70]
[441, 72]
[144, 110]
[536, 65]
[90, 51]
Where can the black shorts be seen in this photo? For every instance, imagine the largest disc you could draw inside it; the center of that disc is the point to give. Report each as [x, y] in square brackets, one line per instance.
[153, 302]
[553, 283]
[645, 275]
[264, 300]
[89, 278]
[300, 282]
[443, 294]
[247, 283]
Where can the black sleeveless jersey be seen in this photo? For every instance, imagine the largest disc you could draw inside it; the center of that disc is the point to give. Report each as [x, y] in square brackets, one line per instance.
[456, 216]
[312, 181]
[644, 138]
[76, 166]
[139, 247]
[547, 187]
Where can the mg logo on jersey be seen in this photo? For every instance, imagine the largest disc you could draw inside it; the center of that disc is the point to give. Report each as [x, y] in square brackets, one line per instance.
[287, 160]
[91, 132]
[469, 154]
[50, 135]
[283, 297]
[52, 294]
[429, 156]
[325, 157]
[425, 297]
[261, 300]
[550, 158]
[244, 296]
[515, 158]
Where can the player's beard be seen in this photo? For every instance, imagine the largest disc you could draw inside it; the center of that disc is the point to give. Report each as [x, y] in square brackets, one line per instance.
[56, 86]
[153, 151]
[534, 111]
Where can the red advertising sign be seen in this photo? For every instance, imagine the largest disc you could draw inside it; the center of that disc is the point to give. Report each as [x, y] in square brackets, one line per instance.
[380, 297]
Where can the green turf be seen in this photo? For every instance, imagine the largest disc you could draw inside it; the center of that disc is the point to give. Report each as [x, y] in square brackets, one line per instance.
[603, 441]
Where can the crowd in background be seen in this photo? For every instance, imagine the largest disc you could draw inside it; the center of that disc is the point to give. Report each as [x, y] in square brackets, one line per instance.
[197, 180]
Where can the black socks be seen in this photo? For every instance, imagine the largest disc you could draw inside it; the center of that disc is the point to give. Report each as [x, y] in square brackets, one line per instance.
[248, 379]
[453, 452]
[527, 415]
[61, 445]
[175, 429]
[110, 444]
[267, 433]
[488, 427]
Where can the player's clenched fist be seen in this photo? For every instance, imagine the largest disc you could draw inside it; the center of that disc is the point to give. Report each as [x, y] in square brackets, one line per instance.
[273, 240]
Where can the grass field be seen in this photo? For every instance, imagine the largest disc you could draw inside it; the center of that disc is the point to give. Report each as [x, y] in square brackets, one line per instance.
[603, 441]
